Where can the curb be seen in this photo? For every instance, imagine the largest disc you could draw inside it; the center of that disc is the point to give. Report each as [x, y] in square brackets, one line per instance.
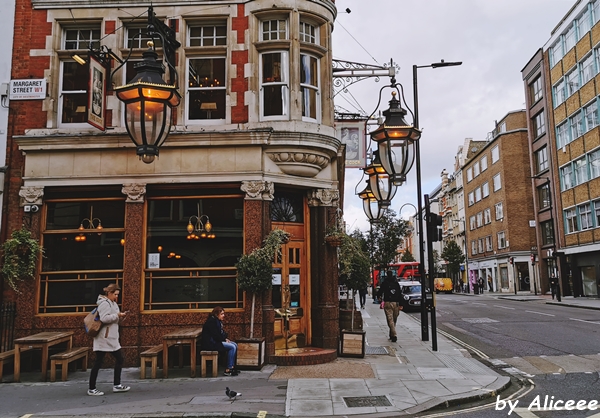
[570, 305]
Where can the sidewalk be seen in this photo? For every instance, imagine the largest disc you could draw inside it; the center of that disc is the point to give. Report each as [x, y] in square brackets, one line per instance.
[408, 378]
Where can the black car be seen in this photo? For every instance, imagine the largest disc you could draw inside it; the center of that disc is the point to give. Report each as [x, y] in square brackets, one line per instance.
[411, 296]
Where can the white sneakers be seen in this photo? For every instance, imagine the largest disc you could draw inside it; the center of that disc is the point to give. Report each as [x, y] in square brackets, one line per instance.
[116, 389]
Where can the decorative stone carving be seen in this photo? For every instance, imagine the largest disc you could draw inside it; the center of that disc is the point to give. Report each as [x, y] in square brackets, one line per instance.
[302, 164]
[324, 197]
[135, 192]
[258, 189]
[31, 195]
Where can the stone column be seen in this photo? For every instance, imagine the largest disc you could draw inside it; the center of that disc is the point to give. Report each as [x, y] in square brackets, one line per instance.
[257, 225]
[324, 303]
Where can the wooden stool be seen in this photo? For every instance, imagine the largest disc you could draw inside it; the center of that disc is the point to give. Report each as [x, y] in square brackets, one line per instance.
[5, 357]
[209, 356]
[150, 356]
[63, 359]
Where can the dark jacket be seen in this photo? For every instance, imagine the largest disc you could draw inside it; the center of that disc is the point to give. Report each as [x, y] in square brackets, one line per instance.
[213, 335]
[390, 289]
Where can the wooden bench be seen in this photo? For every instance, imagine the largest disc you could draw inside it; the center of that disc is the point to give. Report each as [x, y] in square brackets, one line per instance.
[6, 356]
[63, 359]
[150, 356]
[209, 356]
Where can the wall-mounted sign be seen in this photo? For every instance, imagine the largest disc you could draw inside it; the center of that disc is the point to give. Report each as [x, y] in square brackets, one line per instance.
[276, 279]
[154, 260]
[28, 89]
[97, 97]
[352, 133]
[294, 279]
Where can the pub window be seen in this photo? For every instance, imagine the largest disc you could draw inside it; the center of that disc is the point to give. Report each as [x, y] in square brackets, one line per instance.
[207, 88]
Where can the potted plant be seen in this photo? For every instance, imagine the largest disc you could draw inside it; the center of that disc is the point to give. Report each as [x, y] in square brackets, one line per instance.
[20, 253]
[255, 275]
[354, 272]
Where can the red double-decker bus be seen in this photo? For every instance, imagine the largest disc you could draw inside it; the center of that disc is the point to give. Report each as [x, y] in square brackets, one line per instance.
[407, 270]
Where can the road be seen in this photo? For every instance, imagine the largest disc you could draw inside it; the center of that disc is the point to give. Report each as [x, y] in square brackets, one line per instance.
[553, 351]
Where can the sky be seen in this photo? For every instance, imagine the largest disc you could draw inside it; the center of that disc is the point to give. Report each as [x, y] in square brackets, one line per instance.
[493, 39]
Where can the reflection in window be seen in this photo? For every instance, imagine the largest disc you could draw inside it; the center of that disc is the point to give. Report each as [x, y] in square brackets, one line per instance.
[207, 88]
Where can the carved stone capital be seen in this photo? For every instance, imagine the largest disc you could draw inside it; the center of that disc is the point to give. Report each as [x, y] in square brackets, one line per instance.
[324, 197]
[258, 190]
[31, 195]
[135, 192]
[300, 163]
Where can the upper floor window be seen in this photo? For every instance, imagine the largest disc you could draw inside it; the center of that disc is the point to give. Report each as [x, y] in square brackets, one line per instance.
[597, 211]
[596, 11]
[535, 89]
[581, 175]
[541, 160]
[82, 38]
[274, 85]
[274, 30]
[477, 194]
[497, 182]
[308, 33]
[208, 35]
[473, 247]
[570, 38]
[563, 136]
[487, 216]
[559, 92]
[309, 85]
[591, 115]
[472, 223]
[501, 240]
[207, 84]
[471, 198]
[588, 69]
[594, 159]
[483, 163]
[547, 232]
[479, 220]
[480, 245]
[584, 23]
[137, 37]
[499, 211]
[576, 122]
[544, 196]
[485, 189]
[539, 124]
[476, 169]
[585, 216]
[571, 224]
[488, 243]
[556, 52]
[566, 177]
[572, 81]
[469, 174]
[495, 154]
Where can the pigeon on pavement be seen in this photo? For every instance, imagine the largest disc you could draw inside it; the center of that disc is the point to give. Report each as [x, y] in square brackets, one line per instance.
[232, 394]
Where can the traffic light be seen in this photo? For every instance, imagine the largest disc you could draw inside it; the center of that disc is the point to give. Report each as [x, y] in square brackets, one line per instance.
[434, 223]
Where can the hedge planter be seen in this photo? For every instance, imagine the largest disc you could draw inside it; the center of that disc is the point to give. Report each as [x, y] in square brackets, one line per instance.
[352, 343]
[251, 353]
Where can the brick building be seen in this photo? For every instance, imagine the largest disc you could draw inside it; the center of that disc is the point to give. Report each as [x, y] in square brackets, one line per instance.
[252, 148]
[498, 207]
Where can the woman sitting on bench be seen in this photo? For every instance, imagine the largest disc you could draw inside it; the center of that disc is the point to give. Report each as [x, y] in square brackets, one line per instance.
[214, 338]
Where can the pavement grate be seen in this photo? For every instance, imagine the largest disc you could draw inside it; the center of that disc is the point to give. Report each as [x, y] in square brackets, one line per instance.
[375, 349]
[366, 401]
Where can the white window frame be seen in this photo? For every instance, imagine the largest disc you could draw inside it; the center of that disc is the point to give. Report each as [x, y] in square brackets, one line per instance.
[497, 182]
[539, 124]
[536, 89]
[312, 37]
[479, 217]
[471, 197]
[571, 224]
[585, 216]
[594, 161]
[476, 169]
[566, 177]
[588, 69]
[485, 189]
[580, 171]
[190, 89]
[487, 216]
[584, 23]
[499, 211]
[274, 34]
[576, 125]
[591, 115]
[473, 247]
[570, 38]
[316, 89]
[495, 154]
[215, 39]
[572, 81]
[541, 159]
[484, 163]
[501, 240]
[478, 194]
[556, 52]
[480, 245]
[285, 83]
[472, 223]
[488, 243]
[563, 134]
[559, 92]
[469, 174]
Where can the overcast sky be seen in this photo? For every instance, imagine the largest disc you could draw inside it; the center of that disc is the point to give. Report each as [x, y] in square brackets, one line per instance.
[493, 39]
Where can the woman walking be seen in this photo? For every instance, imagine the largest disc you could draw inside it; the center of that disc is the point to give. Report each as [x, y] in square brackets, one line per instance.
[107, 340]
[214, 338]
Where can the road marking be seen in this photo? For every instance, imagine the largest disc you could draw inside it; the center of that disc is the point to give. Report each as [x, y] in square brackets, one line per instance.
[524, 413]
[540, 313]
[476, 303]
[583, 320]
[503, 307]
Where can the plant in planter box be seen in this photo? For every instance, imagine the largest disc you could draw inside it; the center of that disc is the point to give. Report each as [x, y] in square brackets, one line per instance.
[354, 268]
[20, 253]
[255, 270]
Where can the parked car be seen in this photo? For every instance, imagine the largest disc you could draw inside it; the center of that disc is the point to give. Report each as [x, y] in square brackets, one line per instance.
[411, 295]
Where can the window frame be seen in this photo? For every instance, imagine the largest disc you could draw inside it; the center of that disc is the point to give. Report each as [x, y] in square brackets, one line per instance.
[501, 240]
[541, 160]
[497, 184]
[535, 90]
[495, 154]
[499, 209]
[316, 89]
[284, 83]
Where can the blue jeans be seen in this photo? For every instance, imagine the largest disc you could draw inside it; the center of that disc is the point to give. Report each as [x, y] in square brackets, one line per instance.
[231, 348]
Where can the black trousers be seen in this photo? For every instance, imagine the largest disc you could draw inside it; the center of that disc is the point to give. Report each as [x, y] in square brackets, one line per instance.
[98, 364]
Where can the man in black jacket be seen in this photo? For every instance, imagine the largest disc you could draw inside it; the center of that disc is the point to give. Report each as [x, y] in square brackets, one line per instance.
[390, 293]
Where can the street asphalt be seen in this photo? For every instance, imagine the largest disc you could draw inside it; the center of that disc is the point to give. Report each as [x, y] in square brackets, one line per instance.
[409, 378]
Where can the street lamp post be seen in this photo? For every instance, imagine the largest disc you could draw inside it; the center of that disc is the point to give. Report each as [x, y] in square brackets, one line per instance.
[424, 323]
[464, 223]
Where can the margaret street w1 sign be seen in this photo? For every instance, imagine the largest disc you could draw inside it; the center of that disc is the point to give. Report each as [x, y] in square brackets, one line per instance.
[28, 89]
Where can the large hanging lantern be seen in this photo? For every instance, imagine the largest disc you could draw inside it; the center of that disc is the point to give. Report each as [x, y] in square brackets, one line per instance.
[371, 206]
[149, 102]
[380, 182]
[396, 141]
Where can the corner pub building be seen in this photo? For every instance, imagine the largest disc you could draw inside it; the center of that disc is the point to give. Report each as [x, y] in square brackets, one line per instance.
[252, 148]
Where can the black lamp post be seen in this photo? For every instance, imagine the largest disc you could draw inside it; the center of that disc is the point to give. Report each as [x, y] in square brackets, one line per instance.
[380, 182]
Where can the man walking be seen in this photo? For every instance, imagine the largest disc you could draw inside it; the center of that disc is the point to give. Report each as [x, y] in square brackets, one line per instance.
[389, 292]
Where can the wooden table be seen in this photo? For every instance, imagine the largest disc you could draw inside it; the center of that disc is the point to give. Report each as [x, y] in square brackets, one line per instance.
[179, 337]
[43, 340]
